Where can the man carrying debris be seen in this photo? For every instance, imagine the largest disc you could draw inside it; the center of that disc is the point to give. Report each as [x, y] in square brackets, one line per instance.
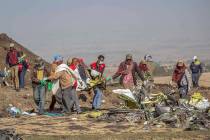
[12, 62]
[181, 78]
[64, 79]
[57, 96]
[196, 69]
[39, 74]
[127, 72]
[99, 67]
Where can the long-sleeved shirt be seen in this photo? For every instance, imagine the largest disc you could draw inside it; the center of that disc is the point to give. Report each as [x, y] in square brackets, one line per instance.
[196, 67]
[66, 80]
[38, 74]
[122, 72]
[12, 57]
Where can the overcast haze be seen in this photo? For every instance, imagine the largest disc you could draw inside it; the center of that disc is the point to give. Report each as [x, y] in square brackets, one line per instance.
[167, 29]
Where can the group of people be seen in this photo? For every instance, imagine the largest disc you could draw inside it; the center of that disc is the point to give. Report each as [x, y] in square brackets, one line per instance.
[66, 79]
[182, 78]
[74, 75]
[18, 65]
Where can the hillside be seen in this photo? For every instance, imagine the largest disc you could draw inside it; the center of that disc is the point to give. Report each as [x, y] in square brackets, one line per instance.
[5, 40]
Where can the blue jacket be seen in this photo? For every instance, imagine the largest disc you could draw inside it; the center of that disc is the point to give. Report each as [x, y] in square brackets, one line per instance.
[196, 67]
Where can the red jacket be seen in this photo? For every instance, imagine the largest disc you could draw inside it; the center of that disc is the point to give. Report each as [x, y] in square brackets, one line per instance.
[100, 67]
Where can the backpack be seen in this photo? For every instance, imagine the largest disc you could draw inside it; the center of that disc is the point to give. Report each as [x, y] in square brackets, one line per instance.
[13, 57]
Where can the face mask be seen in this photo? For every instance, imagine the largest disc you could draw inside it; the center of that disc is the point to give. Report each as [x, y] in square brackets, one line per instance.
[101, 62]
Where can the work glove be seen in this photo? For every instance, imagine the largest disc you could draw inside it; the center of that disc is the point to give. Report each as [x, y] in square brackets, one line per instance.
[43, 82]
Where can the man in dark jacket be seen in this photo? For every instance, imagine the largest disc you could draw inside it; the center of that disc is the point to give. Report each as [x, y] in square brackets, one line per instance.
[12, 62]
[196, 69]
[127, 72]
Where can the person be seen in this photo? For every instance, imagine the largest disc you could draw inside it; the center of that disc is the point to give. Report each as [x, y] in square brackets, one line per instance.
[147, 67]
[73, 65]
[23, 68]
[127, 72]
[39, 74]
[65, 80]
[3, 74]
[55, 97]
[196, 70]
[99, 68]
[12, 61]
[181, 78]
[82, 68]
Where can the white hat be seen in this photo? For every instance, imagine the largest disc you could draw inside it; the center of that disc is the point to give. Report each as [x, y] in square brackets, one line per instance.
[195, 57]
[11, 44]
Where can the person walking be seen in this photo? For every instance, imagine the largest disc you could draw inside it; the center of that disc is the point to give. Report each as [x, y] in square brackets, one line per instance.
[12, 61]
[181, 78]
[196, 70]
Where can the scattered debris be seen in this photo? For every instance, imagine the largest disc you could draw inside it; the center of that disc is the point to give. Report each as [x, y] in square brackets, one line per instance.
[9, 134]
[93, 114]
[117, 115]
[163, 109]
[14, 111]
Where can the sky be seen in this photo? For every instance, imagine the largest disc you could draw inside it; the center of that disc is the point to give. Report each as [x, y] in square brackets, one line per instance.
[166, 29]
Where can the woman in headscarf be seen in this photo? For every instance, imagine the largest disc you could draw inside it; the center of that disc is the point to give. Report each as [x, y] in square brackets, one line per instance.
[181, 78]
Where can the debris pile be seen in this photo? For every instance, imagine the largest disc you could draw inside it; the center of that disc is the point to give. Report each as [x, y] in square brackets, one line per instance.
[123, 115]
[9, 134]
[163, 109]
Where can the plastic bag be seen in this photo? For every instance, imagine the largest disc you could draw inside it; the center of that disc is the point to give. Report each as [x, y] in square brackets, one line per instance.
[202, 105]
[199, 102]
[125, 92]
[49, 86]
[14, 111]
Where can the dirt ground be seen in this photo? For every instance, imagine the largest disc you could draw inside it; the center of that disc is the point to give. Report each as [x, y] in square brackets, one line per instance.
[81, 127]
[170, 135]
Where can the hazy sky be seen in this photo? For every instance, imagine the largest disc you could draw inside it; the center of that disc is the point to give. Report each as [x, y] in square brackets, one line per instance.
[166, 29]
